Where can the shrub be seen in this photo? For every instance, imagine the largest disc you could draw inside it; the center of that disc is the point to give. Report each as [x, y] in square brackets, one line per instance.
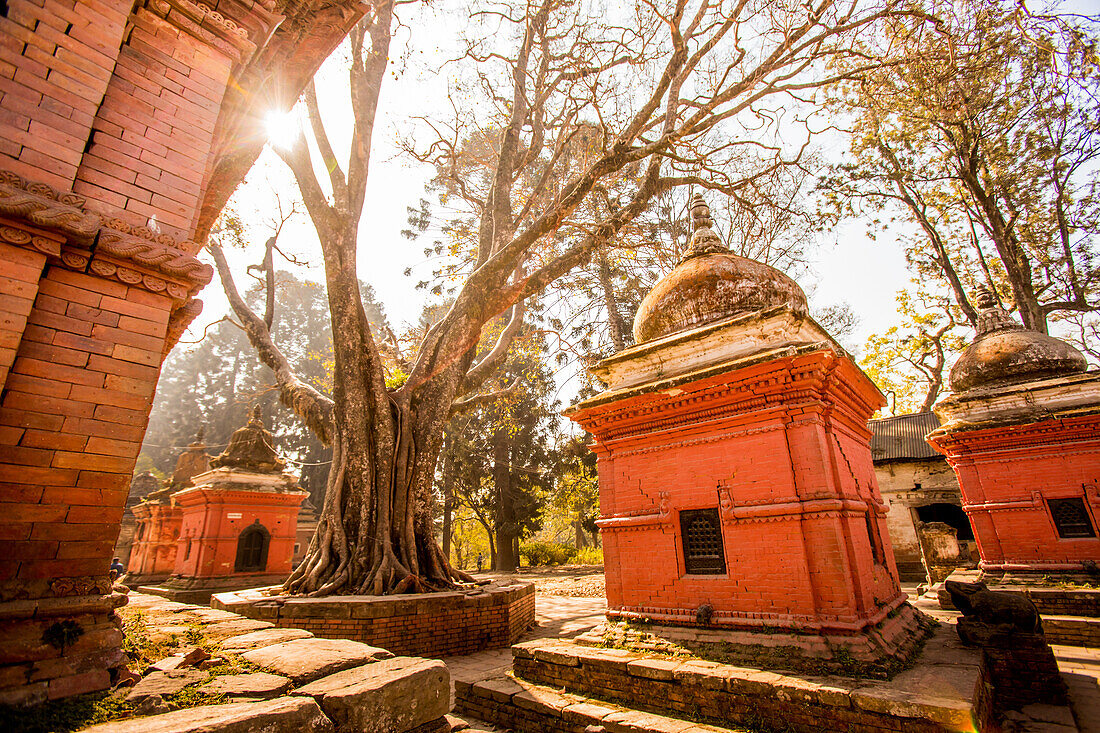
[546, 553]
[589, 556]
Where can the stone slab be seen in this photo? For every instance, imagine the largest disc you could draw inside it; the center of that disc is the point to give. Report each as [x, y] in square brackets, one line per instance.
[262, 638]
[389, 696]
[165, 683]
[282, 715]
[306, 660]
[257, 684]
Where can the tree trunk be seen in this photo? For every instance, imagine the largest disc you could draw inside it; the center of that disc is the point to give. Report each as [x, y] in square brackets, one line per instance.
[448, 496]
[504, 524]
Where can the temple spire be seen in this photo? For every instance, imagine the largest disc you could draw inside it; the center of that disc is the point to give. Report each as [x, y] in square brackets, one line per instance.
[704, 240]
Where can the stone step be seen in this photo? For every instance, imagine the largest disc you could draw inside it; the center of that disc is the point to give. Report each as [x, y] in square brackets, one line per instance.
[1072, 630]
[525, 706]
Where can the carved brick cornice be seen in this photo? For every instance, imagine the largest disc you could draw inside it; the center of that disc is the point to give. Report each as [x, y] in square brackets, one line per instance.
[164, 268]
[23, 238]
[86, 242]
[44, 206]
[178, 322]
[207, 25]
[87, 585]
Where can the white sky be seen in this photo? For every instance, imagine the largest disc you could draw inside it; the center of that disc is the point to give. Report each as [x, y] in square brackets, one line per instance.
[855, 269]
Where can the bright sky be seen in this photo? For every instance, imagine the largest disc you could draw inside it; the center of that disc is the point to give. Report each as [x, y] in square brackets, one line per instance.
[853, 268]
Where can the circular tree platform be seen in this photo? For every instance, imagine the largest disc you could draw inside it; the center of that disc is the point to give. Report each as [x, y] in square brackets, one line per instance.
[421, 624]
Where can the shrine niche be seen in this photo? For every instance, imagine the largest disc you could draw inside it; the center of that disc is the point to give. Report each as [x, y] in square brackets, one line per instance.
[737, 492]
[237, 520]
[1021, 429]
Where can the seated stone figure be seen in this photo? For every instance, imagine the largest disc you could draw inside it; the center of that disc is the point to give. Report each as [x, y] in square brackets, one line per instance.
[986, 612]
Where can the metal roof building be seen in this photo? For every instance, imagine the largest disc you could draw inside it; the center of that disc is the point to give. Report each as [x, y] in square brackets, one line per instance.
[902, 437]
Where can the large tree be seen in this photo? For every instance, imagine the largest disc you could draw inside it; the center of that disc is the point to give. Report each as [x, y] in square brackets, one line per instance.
[983, 134]
[658, 95]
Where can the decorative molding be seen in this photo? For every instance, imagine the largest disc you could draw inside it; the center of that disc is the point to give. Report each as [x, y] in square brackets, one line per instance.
[178, 322]
[199, 20]
[139, 256]
[44, 206]
[163, 259]
[23, 238]
[86, 585]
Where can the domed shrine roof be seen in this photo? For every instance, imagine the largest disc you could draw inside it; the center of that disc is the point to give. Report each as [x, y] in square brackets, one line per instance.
[250, 449]
[1004, 351]
[711, 284]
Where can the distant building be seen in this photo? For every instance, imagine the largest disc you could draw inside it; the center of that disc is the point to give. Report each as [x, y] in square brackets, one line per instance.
[919, 488]
[219, 524]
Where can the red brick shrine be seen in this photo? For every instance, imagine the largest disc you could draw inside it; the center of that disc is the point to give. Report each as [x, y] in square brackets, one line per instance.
[238, 521]
[1022, 431]
[737, 490]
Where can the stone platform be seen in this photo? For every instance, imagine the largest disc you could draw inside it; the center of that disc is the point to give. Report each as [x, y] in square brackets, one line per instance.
[571, 686]
[288, 681]
[877, 650]
[425, 624]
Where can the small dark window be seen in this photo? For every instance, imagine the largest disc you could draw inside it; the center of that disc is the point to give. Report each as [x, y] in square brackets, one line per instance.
[702, 535]
[1071, 518]
[252, 549]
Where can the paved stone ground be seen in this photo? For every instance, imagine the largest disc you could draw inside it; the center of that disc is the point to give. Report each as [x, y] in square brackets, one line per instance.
[1080, 667]
[566, 617]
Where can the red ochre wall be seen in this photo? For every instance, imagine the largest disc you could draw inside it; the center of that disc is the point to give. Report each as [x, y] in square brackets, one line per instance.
[213, 535]
[782, 450]
[1007, 475]
[108, 118]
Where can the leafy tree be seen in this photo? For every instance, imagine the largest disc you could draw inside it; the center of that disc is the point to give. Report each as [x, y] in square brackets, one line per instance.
[586, 100]
[578, 489]
[983, 134]
[499, 459]
[909, 361]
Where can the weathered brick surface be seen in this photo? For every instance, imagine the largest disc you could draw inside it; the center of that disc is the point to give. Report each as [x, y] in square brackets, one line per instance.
[56, 60]
[429, 625]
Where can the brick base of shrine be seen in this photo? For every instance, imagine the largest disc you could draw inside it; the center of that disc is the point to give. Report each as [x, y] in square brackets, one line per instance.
[877, 650]
[52, 648]
[562, 686]
[425, 624]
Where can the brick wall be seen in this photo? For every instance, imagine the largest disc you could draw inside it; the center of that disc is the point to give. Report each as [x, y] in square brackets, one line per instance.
[706, 692]
[56, 60]
[428, 624]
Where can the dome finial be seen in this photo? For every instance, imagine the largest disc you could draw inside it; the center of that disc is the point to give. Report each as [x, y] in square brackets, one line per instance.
[991, 316]
[704, 241]
[257, 414]
[984, 297]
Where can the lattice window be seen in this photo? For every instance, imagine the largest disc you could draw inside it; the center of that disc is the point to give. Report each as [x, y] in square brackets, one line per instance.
[702, 535]
[1071, 518]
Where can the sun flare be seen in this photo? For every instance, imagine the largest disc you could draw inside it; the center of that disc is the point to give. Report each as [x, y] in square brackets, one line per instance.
[283, 128]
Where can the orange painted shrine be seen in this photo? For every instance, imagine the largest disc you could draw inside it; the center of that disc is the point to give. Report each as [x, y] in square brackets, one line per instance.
[1022, 431]
[231, 525]
[736, 484]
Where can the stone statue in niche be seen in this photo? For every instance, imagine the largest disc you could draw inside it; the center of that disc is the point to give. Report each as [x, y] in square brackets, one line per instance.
[251, 449]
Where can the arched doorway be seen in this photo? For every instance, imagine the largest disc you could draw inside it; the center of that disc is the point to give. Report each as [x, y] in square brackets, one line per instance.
[252, 547]
[950, 514]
